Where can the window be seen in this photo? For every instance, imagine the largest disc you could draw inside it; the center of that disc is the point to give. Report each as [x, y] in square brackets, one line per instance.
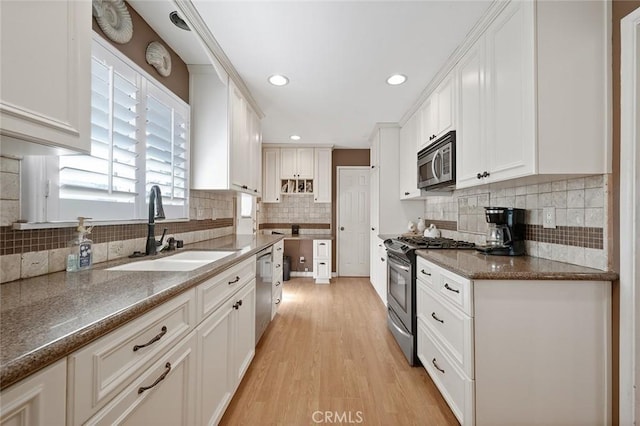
[139, 138]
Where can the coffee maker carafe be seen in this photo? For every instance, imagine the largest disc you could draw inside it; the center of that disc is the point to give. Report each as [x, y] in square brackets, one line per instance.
[505, 235]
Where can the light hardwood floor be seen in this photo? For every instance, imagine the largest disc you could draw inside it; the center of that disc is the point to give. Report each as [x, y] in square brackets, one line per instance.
[328, 358]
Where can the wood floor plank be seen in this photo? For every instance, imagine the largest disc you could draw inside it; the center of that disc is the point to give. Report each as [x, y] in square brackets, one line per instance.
[328, 358]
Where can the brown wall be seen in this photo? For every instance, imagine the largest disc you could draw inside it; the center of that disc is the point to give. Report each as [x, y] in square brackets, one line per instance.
[296, 248]
[620, 9]
[342, 157]
[143, 34]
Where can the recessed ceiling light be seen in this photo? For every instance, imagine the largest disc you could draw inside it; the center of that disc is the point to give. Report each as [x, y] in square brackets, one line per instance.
[396, 79]
[278, 80]
[294, 137]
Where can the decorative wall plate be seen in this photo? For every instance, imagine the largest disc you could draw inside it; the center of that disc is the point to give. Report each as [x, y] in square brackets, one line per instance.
[158, 56]
[114, 19]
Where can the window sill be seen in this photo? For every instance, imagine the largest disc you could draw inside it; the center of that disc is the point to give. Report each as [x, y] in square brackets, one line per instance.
[20, 226]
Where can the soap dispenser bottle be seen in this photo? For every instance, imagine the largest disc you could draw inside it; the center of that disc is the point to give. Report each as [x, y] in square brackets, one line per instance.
[81, 256]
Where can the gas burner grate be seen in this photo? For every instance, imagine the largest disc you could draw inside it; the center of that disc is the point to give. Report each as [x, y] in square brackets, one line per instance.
[436, 243]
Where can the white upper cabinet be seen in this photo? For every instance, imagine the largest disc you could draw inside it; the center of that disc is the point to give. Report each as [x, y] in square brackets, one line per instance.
[322, 176]
[296, 163]
[532, 95]
[408, 176]
[45, 77]
[271, 175]
[438, 112]
[225, 134]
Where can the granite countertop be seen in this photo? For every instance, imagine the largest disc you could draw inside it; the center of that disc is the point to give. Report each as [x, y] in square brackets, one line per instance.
[45, 318]
[479, 266]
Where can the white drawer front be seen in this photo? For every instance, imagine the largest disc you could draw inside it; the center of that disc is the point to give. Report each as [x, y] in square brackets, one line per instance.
[278, 251]
[321, 269]
[102, 369]
[456, 290]
[211, 293]
[321, 249]
[426, 271]
[453, 327]
[454, 386]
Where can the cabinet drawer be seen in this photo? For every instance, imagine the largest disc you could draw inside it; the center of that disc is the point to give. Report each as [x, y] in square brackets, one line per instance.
[102, 369]
[453, 327]
[321, 269]
[321, 249]
[427, 272]
[162, 395]
[278, 251]
[211, 293]
[454, 386]
[456, 290]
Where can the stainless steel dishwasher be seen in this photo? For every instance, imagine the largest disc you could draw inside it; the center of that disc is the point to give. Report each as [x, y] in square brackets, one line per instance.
[264, 272]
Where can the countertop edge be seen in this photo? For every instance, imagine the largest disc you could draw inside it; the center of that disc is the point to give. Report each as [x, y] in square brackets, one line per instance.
[31, 362]
[524, 275]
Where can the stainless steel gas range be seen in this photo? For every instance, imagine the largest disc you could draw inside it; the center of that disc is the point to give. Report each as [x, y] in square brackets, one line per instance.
[401, 286]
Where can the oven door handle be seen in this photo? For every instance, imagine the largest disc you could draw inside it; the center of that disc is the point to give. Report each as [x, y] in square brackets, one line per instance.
[394, 264]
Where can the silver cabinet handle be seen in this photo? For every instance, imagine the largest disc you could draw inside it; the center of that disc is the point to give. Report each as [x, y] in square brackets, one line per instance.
[433, 315]
[436, 366]
[455, 290]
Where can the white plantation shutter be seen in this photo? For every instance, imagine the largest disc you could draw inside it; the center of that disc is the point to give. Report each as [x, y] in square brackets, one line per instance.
[139, 138]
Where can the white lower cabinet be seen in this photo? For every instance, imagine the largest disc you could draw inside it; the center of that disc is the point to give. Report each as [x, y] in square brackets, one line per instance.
[277, 277]
[322, 261]
[378, 268]
[162, 395]
[37, 400]
[225, 346]
[501, 351]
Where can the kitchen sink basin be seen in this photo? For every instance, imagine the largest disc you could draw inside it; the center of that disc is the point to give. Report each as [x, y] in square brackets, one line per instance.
[185, 261]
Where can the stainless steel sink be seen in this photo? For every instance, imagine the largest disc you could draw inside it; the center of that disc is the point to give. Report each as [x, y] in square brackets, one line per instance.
[185, 261]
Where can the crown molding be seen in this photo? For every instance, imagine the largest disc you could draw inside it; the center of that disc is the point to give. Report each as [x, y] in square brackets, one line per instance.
[217, 56]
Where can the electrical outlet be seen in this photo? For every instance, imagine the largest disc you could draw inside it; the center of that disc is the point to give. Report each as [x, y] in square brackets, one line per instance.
[301, 259]
[549, 217]
[306, 269]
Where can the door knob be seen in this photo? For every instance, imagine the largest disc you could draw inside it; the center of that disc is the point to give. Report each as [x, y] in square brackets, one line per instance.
[342, 228]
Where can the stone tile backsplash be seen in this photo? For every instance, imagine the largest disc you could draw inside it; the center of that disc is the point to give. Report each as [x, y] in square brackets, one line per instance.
[296, 208]
[581, 216]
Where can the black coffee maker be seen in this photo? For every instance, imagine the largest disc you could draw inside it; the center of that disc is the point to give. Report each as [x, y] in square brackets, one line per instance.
[505, 235]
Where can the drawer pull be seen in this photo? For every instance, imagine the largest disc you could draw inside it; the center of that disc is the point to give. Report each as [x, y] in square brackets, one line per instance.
[278, 301]
[278, 265]
[322, 263]
[163, 331]
[277, 283]
[433, 315]
[158, 380]
[436, 366]
[451, 289]
[279, 248]
[425, 272]
[321, 244]
[234, 281]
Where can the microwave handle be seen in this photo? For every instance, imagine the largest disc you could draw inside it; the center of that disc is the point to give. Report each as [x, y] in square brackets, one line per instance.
[433, 165]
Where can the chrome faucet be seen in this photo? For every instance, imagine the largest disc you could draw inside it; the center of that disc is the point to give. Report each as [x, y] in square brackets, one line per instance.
[155, 212]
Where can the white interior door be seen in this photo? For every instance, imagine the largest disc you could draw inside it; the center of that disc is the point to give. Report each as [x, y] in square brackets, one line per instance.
[629, 220]
[353, 221]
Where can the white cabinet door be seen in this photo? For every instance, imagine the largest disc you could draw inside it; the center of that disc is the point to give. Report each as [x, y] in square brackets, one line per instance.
[408, 157]
[322, 175]
[46, 100]
[511, 137]
[321, 249]
[470, 137]
[427, 122]
[215, 384]
[445, 112]
[271, 175]
[240, 149]
[305, 160]
[244, 331]
[254, 141]
[38, 400]
[288, 163]
[163, 395]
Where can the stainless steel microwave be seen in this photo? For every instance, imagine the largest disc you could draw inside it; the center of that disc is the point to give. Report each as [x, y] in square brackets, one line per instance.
[436, 164]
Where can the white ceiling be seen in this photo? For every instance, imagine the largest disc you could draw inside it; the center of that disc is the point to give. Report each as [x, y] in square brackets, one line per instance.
[337, 55]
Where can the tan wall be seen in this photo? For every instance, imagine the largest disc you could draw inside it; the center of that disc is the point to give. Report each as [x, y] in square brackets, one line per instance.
[143, 34]
[342, 157]
[620, 9]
